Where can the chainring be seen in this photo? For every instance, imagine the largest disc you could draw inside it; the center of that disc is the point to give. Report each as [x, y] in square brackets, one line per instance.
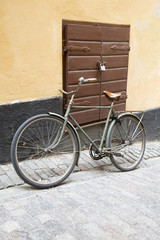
[93, 152]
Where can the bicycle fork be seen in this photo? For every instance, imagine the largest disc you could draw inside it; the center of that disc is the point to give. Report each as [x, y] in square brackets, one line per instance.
[62, 128]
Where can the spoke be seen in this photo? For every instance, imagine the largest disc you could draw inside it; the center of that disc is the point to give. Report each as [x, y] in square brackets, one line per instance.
[53, 134]
[128, 128]
[63, 152]
[136, 129]
[30, 157]
[119, 147]
[25, 147]
[28, 140]
[40, 135]
[137, 135]
[37, 136]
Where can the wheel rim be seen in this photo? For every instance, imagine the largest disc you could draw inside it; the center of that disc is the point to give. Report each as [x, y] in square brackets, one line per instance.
[37, 162]
[127, 138]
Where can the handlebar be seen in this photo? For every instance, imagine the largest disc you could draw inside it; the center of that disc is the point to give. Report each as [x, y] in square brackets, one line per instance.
[81, 81]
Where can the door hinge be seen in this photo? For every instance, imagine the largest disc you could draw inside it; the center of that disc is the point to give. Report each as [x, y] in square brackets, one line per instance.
[123, 48]
[76, 48]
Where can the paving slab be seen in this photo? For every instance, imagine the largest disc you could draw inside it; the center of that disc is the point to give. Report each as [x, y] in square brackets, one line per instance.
[9, 178]
[97, 204]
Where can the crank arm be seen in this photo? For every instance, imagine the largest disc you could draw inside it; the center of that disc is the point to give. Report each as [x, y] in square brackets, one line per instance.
[117, 154]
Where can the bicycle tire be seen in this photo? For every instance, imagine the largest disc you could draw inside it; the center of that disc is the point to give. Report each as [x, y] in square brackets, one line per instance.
[127, 140]
[33, 160]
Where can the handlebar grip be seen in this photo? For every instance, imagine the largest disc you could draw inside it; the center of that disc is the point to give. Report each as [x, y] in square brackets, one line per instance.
[90, 80]
[82, 80]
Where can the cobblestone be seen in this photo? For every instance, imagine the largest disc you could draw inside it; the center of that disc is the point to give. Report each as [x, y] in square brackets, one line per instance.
[2, 171]
[6, 181]
[83, 167]
[9, 178]
[92, 205]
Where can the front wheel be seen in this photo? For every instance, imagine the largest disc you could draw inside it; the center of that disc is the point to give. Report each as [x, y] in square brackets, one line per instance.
[127, 142]
[41, 156]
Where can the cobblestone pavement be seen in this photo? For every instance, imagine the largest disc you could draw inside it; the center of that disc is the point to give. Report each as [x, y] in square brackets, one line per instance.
[8, 177]
[97, 204]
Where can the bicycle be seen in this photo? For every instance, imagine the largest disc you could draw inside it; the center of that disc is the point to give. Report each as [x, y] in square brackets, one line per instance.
[46, 148]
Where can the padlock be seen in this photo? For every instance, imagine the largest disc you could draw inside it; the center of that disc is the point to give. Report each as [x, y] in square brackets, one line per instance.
[102, 67]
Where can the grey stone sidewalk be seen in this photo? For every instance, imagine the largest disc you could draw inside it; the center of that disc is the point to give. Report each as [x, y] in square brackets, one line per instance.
[8, 177]
[91, 205]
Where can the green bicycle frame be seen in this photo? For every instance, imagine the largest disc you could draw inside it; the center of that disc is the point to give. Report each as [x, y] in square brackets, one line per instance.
[67, 115]
[106, 130]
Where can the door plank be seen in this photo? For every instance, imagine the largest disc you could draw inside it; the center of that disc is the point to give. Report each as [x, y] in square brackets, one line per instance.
[74, 76]
[114, 74]
[115, 34]
[86, 116]
[117, 107]
[84, 48]
[83, 63]
[115, 48]
[90, 89]
[81, 32]
[115, 86]
[115, 61]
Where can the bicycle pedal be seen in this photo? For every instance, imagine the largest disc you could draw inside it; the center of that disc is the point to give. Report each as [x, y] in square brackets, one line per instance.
[117, 154]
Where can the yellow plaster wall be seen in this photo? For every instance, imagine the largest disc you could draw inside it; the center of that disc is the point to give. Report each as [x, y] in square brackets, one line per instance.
[31, 46]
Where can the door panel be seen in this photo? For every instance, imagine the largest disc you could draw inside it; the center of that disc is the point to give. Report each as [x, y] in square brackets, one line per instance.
[116, 86]
[115, 34]
[83, 63]
[114, 74]
[85, 44]
[115, 48]
[118, 107]
[90, 89]
[83, 33]
[83, 48]
[73, 76]
[90, 116]
[115, 61]
[87, 101]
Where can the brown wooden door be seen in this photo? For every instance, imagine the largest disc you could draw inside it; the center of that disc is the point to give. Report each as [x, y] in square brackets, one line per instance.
[84, 44]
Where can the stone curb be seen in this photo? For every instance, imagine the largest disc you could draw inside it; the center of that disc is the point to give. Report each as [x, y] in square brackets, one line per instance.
[9, 178]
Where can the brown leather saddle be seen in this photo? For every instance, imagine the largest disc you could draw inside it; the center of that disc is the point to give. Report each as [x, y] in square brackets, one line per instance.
[112, 96]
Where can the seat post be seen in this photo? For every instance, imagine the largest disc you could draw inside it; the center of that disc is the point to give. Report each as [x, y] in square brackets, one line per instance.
[113, 111]
[112, 103]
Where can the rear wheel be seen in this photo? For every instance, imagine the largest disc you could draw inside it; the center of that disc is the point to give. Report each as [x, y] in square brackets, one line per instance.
[127, 142]
[38, 156]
